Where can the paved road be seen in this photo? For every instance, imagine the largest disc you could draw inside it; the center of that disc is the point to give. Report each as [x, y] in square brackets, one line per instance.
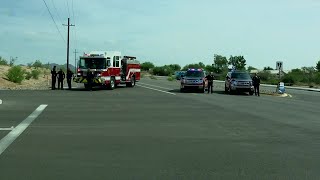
[152, 131]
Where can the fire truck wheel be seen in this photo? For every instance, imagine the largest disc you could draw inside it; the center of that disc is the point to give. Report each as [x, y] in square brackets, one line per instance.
[132, 82]
[112, 84]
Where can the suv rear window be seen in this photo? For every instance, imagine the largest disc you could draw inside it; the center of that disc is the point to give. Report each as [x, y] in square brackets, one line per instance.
[194, 74]
[240, 76]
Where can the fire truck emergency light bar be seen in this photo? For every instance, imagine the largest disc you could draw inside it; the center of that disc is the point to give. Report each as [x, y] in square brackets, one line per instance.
[92, 55]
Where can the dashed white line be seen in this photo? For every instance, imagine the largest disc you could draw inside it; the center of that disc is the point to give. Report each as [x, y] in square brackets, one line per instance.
[10, 137]
[156, 89]
[0, 101]
[155, 86]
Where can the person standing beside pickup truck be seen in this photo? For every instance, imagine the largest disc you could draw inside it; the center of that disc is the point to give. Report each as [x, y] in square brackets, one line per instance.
[210, 79]
[256, 84]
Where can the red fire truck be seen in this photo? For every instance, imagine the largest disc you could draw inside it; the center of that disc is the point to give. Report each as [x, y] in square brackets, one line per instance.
[109, 69]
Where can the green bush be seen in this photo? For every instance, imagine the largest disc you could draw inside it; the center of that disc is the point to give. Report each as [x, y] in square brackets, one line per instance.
[35, 74]
[288, 79]
[171, 78]
[28, 75]
[37, 64]
[3, 61]
[15, 74]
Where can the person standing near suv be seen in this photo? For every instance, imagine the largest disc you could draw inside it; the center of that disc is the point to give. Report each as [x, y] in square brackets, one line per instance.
[210, 79]
[256, 84]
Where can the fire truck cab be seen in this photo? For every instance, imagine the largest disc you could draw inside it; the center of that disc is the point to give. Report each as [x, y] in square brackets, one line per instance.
[109, 68]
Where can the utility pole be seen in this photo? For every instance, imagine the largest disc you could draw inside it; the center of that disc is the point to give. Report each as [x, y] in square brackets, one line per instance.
[68, 41]
[75, 60]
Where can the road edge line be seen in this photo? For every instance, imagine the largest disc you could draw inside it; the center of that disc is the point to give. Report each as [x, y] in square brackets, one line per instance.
[18, 130]
[156, 89]
[155, 86]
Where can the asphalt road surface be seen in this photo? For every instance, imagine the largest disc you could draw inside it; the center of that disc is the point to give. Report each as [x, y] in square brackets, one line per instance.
[153, 131]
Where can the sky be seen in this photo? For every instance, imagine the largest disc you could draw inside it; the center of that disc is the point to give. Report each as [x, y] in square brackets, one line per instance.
[166, 31]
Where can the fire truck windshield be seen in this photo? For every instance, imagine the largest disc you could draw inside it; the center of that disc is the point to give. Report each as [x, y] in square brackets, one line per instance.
[93, 63]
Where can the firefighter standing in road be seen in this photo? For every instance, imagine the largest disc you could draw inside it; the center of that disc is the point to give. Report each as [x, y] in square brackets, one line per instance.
[256, 84]
[69, 77]
[210, 79]
[89, 79]
[61, 77]
[53, 78]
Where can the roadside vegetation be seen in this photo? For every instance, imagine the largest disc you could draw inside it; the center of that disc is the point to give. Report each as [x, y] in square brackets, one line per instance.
[20, 73]
[304, 76]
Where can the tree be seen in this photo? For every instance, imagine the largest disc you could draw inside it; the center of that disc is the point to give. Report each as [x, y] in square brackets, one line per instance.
[220, 63]
[268, 68]
[309, 74]
[250, 68]
[318, 66]
[37, 64]
[12, 61]
[196, 66]
[175, 67]
[238, 61]
[146, 66]
[209, 68]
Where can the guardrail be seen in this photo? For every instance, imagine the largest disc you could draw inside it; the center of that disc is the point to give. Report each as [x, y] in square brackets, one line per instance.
[267, 85]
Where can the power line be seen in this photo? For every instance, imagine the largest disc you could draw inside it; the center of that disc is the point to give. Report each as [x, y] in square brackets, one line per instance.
[68, 8]
[75, 32]
[54, 20]
[54, 6]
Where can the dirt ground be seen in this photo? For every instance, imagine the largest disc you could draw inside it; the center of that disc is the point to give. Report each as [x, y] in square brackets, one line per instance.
[42, 83]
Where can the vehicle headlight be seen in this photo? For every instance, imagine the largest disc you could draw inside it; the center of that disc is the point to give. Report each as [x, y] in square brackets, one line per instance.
[234, 82]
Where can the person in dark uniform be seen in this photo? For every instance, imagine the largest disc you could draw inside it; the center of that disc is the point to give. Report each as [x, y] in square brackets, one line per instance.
[210, 79]
[89, 79]
[61, 77]
[53, 78]
[69, 77]
[256, 84]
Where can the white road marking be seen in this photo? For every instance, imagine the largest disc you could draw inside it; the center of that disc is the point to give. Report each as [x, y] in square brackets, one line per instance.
[7, 129]
[0, 101]
[10, 137]
[156, 90]
[155, 86]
